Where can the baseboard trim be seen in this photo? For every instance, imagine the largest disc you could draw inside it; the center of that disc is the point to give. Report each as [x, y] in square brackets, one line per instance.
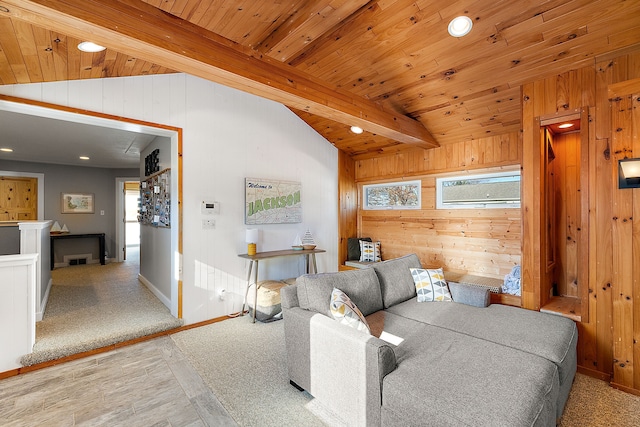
[594, 374]
[625, 388]
[155, 291]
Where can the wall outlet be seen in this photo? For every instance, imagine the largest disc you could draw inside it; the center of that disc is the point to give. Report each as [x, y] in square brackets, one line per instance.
[208, 224]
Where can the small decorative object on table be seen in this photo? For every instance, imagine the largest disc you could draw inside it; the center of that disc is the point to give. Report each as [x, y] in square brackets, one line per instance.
[252, 239]
[307, 241]
[55, 228]
[297, 243]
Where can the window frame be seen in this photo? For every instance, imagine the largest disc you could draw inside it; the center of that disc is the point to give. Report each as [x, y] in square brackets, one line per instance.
[367, 207]
[485, 175]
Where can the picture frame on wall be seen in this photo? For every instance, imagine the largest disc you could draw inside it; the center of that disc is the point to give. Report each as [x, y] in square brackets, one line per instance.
[269, 201]
[77, 203]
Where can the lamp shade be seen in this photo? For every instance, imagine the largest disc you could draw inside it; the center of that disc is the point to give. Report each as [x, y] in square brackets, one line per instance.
[252, 235]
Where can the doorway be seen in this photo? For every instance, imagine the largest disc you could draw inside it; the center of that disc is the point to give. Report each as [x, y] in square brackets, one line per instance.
[127, 223]
[564, 158]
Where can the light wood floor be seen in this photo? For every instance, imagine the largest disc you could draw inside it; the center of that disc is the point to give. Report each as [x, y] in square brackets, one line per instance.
[146, 384]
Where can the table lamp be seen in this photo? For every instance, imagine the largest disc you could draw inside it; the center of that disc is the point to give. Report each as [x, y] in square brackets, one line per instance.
[252, 239]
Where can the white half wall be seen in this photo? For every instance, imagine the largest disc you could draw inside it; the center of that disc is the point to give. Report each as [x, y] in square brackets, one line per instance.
[228, 135]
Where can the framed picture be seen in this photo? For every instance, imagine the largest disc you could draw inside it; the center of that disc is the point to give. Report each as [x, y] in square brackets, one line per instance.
[269, 201]
[77, 203]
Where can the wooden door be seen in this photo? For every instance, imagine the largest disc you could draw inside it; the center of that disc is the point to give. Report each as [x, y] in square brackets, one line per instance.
[18, 198]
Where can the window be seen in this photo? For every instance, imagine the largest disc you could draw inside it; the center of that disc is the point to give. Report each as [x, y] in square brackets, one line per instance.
[491, 190]
[393, 195]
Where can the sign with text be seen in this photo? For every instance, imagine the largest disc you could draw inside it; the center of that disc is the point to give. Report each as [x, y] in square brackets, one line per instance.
[272, 202]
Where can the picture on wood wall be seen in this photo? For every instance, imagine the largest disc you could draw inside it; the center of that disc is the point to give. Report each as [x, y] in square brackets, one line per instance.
[81, 203]
[272, 202]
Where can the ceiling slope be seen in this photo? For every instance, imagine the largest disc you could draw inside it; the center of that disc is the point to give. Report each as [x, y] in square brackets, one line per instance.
[149, 33]
[389, 63]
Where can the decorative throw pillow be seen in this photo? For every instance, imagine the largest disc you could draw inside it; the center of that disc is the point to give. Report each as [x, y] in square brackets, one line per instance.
[345, 311]
[430, 285]
[370, 251]
[353, 247]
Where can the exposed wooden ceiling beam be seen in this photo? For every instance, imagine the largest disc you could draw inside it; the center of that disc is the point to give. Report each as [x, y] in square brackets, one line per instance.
[137, 28]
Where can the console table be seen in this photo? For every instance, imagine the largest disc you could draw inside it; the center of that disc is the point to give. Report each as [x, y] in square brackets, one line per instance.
[310, 267]
[99, 236]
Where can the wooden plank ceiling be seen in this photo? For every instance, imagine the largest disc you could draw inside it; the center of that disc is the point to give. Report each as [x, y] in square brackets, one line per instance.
[393, 57]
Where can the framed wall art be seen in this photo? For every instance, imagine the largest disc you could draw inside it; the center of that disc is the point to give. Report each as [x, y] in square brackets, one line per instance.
[155, 200]
[270, 201]
[80, 203]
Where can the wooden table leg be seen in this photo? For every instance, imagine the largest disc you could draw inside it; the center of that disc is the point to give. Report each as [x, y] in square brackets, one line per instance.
[246, 292]
[255, 301]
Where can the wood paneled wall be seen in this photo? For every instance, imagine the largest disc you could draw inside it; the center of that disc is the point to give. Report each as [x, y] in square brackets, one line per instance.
[485, 242]
[347, 204]
[610, 332]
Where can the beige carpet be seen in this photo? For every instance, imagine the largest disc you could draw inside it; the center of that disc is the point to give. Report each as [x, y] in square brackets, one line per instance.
[593, 403]
[93, 306]
[244, 364]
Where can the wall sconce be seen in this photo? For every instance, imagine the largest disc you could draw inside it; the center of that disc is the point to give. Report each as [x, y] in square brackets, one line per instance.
[251, 239]
[629, 173]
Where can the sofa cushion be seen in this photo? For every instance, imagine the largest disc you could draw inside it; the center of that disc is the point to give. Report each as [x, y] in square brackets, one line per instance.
[362, 286]
[395, 278]
[346, 312]
[545, 335]
[370, 251]
[445, 378]
[430, 285]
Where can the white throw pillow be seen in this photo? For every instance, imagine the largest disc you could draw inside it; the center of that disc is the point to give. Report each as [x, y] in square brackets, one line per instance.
[370, 251]
[346, 312]
[430, 285]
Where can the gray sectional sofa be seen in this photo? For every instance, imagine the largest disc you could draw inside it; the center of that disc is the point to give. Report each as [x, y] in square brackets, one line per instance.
[462, 363]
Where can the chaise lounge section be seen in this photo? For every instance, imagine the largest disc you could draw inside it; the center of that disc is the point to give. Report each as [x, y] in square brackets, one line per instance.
[464, 362]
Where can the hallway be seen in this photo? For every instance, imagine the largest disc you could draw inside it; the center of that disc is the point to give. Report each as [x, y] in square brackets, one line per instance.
[92, 306]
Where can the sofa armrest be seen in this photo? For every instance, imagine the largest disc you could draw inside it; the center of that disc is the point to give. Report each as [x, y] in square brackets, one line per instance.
[296, 338]
[289, 296]
[358, 361]
[470, 295]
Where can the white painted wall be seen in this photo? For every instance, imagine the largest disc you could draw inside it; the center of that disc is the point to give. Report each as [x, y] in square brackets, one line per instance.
[17, 308]
[227, 135]
[155, 242]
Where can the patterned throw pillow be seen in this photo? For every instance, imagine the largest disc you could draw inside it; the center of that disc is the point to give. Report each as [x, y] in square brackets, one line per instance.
[370, 251]
[346, 312]
[430, 285]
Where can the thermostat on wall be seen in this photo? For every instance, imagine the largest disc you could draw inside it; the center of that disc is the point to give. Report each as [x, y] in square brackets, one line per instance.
[210, 207]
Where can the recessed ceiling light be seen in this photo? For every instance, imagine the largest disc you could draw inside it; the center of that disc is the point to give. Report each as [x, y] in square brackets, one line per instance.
[90, 47]
[460, 26]
[566, 125]
[84, 158]
[7, 150]
[356, 129]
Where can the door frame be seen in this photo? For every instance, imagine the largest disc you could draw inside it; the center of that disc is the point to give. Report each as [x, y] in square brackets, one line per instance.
[174, 134]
